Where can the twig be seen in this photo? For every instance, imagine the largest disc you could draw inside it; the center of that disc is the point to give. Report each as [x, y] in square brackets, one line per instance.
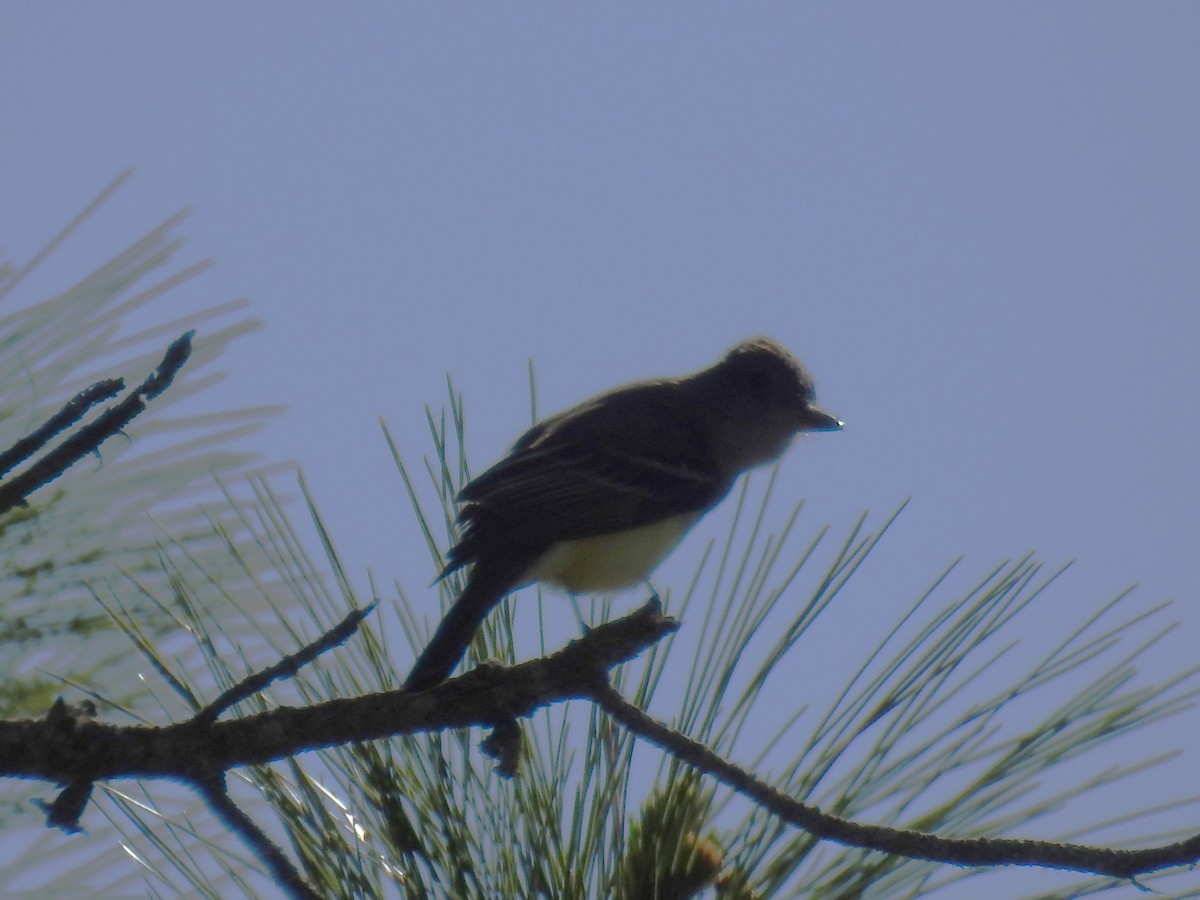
[286, 875]
[286, 667]
[88, 438]
[72, 412]
[911, 844]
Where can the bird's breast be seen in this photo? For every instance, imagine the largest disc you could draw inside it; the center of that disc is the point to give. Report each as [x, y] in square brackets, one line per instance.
[607, 562]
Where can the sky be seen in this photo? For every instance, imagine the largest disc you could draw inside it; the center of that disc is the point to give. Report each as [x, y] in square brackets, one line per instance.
[979, 226]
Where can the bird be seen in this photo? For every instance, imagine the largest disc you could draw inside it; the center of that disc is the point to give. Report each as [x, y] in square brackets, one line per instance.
[593, 498]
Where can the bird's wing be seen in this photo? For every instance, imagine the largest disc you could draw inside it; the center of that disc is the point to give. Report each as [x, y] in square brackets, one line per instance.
[595, 469]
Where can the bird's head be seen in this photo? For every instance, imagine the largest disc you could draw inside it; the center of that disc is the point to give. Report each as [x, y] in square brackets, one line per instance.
[766, 397]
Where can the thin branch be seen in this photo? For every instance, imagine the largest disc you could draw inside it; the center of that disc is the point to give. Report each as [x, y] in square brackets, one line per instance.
[911, 844]
[286, 667]
[214, 791]
[89, 438]
[74, 410]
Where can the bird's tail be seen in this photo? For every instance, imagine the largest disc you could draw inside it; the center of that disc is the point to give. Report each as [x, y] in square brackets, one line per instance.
[485, 588]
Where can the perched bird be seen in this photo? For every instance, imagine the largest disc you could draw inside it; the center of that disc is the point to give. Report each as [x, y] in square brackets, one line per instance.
[593, 498]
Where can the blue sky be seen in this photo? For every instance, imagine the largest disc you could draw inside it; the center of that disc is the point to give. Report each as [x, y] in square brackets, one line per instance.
[978, 225]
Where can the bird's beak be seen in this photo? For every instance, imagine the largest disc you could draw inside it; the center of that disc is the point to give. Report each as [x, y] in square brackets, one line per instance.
[813, 418]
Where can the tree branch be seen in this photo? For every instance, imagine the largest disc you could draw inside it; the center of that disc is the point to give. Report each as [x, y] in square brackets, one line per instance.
[911, 844]
[71, 750]
[88, 438]
[286, 875]
[76, 751]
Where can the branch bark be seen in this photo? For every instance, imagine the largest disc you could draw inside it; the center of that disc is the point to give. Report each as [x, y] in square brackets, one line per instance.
[76, 750]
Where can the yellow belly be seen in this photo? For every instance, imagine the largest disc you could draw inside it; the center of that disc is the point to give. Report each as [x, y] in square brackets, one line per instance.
[610, 561]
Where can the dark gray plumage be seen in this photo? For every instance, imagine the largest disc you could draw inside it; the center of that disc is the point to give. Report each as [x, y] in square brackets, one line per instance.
[594, 497]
